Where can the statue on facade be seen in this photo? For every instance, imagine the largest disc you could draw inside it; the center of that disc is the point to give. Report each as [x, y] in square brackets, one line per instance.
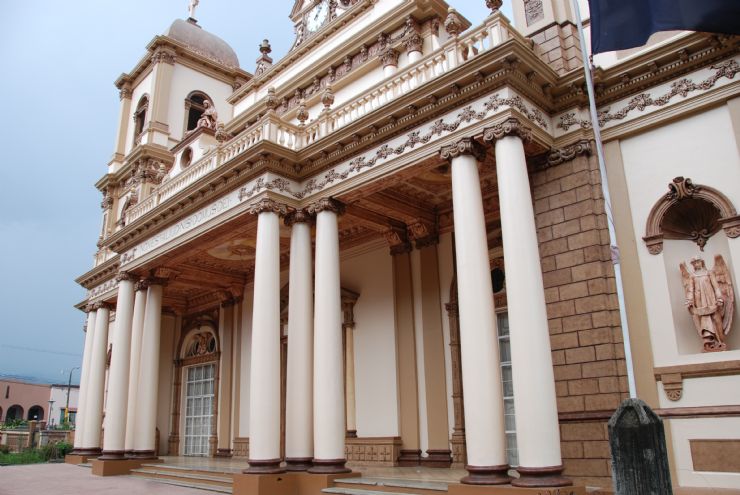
[710, 300]
[209, 117]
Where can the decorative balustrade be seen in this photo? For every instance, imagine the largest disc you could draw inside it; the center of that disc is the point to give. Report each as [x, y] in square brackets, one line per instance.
[453, 53]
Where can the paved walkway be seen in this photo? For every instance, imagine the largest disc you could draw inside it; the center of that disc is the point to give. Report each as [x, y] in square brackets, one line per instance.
[66, 479]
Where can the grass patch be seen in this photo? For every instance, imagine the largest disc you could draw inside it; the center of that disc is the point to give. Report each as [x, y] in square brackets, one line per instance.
[29, 457]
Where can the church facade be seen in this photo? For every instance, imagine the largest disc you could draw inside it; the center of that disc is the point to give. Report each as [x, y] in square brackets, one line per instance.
[391, 248]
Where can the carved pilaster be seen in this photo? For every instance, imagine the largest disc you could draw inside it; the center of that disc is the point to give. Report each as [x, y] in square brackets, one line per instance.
[459, 457]
[327, 97]
[302, 114]
[465, 146]
[271, 101]
[561, 155]
[510, 127]
[164, 56]
[267, 205]
[326, 204]
[423, 233]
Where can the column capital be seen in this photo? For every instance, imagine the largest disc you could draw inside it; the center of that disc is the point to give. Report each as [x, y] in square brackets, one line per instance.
[125, 276]
[266, 205]
[326, 204]
[141, 285]
[413, 42]
[398, 240]
[389, 56]
[509, 127]
[164, 55]
[88, 308]
[102, 305]
[297, 216]
[125, 93]
[423, 233]
[465, 146]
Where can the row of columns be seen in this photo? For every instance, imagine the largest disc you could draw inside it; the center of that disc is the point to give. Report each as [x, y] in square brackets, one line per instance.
[133, 378]
[315, 406]
[538, 437]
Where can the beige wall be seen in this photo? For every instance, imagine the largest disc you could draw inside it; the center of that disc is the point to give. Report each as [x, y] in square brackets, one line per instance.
[166, 379]
[370, 275]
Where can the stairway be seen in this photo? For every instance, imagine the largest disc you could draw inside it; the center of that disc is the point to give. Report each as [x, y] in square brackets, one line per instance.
[382, 486]
[186, 477]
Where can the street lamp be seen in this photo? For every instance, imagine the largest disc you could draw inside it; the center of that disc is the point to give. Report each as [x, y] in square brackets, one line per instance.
[69, 386]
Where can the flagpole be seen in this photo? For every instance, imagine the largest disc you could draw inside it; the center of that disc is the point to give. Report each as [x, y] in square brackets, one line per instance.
[607, 207]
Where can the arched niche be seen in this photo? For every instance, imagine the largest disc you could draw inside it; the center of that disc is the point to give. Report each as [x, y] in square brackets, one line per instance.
[692, 212]
[36, 413]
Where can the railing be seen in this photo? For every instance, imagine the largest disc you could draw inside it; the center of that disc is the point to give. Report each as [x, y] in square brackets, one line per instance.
[451, 54]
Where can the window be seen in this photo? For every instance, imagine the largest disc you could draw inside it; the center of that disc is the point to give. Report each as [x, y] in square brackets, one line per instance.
[504, 345]
[140, 117]
[194, 108]
[36, 413]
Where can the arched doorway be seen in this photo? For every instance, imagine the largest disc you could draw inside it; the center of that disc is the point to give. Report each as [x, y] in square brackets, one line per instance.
[15, 412]
[36, 413]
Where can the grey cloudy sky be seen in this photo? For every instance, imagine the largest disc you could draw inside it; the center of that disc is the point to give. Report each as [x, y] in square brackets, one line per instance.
[58, 61]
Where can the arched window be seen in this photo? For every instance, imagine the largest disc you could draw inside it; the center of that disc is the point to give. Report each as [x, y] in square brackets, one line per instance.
[36, 413]
[140, 116]
[194, 108]
[14, 412]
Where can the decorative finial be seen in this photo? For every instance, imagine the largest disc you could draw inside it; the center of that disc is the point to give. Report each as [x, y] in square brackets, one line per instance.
[494, 5]
[264, 62]
[191, 8]
[453, 23]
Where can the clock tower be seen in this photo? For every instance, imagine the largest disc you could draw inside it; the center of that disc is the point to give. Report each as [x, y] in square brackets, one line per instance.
[310, 16]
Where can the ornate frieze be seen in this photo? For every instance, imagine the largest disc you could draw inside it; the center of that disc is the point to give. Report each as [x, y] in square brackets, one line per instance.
[326, 204]
[465, 146]
[643, 101]
[267, 205]
[509, 127]
[276, 184]
[561, 155]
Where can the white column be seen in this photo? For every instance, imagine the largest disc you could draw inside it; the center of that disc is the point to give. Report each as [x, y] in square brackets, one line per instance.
[96, 382]
[115, 434]
[84, 374]
[146, 406]
[264, 379]
[481, 371]
[299, 400]
[137, 331]
[538, 435]
[328, 369]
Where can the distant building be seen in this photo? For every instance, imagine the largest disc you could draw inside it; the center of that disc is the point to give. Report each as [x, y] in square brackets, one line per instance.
[391, 247]
[20, 400]
[59, 396]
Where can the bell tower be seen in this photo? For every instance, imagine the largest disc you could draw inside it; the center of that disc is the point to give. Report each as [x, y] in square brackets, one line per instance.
[551, 24]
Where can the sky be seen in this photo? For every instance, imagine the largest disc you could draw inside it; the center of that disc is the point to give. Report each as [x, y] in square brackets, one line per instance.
[58, 62]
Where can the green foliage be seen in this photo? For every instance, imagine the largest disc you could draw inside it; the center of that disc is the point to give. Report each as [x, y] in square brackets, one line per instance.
[15, 424]
[49, 453]
[4, 449]
[27, 457]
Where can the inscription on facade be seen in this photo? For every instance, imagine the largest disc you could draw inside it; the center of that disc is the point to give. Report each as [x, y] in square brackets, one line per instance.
[533, 11]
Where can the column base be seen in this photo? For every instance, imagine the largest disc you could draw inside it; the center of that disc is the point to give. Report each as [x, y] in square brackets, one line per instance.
[113, 455]
[487, 475]
[409, 458]
[91, 452]
[115, 467]
[75, 459]
[329, 466]
[224, 453]
[541, 477]
[143, 455]
[295, 464]
[457, 489]
[264, 466]
[437, 458]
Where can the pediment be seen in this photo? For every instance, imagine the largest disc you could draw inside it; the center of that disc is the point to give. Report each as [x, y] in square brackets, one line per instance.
[300, 6]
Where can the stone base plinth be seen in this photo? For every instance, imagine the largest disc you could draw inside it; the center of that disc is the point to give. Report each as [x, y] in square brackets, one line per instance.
[75, 459]
[455, 489]
[115, 467]
[285, 483]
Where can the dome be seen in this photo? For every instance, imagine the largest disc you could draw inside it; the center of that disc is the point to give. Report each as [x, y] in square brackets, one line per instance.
[202, 42]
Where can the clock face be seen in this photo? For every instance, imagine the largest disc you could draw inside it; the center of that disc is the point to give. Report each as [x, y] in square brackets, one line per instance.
[316, 16]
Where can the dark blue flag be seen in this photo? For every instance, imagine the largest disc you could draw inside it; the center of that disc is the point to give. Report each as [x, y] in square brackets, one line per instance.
[621, 24]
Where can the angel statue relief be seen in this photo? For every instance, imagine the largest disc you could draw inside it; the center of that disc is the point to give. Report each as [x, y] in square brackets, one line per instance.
[209, 117]
[710, 299]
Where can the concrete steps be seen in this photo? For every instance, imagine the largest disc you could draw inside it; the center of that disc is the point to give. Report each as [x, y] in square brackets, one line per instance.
[378, 486]
[186, 477]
